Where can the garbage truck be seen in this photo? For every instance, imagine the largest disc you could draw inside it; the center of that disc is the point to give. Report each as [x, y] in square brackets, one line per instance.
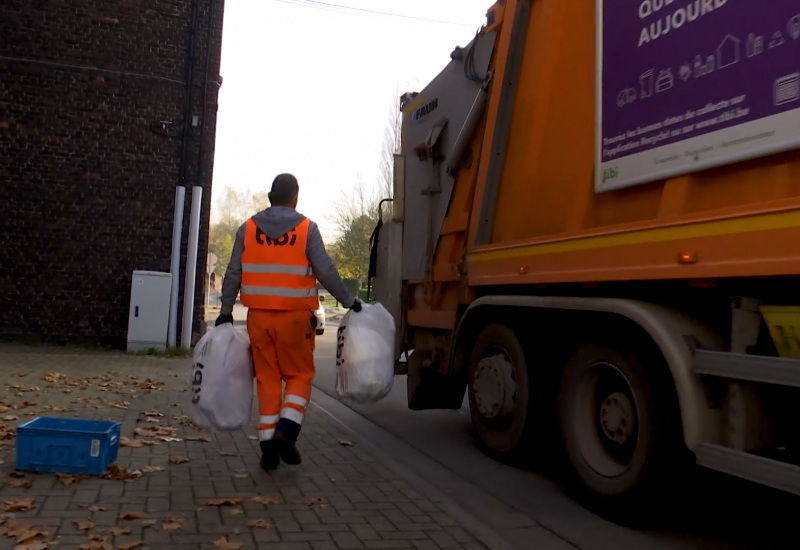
[595, 237]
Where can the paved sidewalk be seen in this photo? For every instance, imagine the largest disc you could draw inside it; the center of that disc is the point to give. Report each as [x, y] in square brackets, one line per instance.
[189, 489]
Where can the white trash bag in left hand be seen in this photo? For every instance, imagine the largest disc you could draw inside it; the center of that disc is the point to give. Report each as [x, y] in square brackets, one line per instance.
[222, 379]
[365, 355]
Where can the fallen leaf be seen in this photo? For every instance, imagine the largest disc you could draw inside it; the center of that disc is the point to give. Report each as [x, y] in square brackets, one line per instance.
[266, 500]
[66, 479]
[152, 413]
[52, 376]
[36, 545]
[117, 531]
[131, 545]
[83, 524]
[19, 505]
[10, 418]
[345, 443]
[97, 537]
[224, 544]
[203, 438]
[92, 508]
[151, 469]
[148, 523]
[259, 524]
[172, 525]
[96, 545]
[133, 515]
[236, 511]
[15, 473]
[177, 459]
[121, 474]
[119, 405]
[152, 420]
[170, 439]
[20, 484]
[227, 453]
[314, 501]
[135, 443]
[223, 502]
[31, 533]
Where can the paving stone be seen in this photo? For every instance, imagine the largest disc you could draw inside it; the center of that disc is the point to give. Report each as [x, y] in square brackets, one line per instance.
[362, 503]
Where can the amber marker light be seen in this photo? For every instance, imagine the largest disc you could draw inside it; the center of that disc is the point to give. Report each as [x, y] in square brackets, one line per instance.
[687, 258]
[522, 270]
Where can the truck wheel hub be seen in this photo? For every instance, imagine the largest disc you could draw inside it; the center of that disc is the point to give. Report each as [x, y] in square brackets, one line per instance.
[617, 417]
[495, 387]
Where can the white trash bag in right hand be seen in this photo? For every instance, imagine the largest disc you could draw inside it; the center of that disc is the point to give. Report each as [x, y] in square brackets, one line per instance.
[365, 355]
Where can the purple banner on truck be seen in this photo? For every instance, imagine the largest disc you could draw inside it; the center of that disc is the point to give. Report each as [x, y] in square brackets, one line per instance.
[685, 85]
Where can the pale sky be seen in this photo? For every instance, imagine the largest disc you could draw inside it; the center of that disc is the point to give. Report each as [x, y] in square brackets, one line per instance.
[308, 88]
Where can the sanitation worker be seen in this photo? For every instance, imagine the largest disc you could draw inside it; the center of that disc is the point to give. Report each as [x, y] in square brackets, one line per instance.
[277, 258]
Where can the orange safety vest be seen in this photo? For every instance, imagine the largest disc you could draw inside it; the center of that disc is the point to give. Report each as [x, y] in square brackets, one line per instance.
[276, 273]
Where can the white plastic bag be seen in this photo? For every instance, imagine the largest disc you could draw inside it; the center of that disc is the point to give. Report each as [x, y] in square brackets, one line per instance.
[222, 379]
[365, 355]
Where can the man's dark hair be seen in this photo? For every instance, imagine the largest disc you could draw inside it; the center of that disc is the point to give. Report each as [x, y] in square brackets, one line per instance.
[284, 190]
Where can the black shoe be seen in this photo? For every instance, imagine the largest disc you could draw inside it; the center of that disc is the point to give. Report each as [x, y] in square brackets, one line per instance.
[287, 450]
[269, 455]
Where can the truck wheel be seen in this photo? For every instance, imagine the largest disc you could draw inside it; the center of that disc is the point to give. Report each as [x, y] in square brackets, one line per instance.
[498, 389]
[617, 421]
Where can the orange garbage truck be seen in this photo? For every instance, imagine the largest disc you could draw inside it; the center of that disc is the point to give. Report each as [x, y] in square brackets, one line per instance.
[595, 234]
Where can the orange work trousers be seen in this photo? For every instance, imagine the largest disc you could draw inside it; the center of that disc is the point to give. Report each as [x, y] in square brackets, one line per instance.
[283, 351]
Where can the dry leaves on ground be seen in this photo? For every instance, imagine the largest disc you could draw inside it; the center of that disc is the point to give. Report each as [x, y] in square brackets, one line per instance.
[7, 433]
[92, 508]
[67, 479]
[10, 418]
[36, 545]
[152, 412]
[131, 545]
[236, 512]
[227, 453]
[134, 443]
[346, 443]
[151, 469]
[133, 515]
[266, 500]
[172, 525]
[223, 502]
[96, 545]
[203, 438]
[53, 376]
[83, 524]
[178, 459]
[224, 544]
[20, 484]
[116, 531]
[19, 505]
[259, 524]
[23, 532]
[315, 501]
[155, 431]
[121, 474]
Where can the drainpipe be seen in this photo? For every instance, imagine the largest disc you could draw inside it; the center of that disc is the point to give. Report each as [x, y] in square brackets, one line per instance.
[175, 265]
[191, 268]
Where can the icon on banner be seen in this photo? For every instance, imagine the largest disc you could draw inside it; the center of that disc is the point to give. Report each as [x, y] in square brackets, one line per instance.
[702, 69]
[777, 40]
[794, 27]
[787, 89]
[665, 81]
[626, 97]
[646, 79]
[685, 72]
[729, 52]
[755, 45]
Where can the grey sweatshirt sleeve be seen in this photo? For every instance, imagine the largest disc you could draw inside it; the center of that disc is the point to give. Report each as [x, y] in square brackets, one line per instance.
[323, 267]
[233, 275]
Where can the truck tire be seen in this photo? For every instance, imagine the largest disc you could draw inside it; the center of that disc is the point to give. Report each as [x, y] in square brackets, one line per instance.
[617, 421]
[498, 389]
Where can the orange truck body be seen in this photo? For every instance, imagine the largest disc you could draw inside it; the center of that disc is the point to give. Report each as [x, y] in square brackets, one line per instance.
[669, 256]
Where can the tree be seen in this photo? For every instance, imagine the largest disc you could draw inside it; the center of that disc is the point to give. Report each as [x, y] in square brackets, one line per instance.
[229, 213]
[356, 213]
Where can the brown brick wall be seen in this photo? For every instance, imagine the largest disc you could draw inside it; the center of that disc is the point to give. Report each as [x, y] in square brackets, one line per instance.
[86, 185]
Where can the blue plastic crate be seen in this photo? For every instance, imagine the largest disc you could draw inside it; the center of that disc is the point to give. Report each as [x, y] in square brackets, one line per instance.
[67, 445]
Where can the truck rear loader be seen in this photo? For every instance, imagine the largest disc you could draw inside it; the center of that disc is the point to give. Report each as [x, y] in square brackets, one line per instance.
[595, 233]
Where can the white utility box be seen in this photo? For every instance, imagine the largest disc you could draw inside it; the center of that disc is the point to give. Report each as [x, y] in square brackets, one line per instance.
[149, 314]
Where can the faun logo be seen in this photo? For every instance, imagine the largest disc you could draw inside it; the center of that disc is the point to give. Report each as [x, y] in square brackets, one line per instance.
[425, 110]
[283, 240]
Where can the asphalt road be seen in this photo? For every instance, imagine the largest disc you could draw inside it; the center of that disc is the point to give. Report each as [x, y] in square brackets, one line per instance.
[531, 511]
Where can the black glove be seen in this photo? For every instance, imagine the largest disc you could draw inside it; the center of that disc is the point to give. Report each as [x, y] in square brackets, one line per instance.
[356, 305]
[224, 318]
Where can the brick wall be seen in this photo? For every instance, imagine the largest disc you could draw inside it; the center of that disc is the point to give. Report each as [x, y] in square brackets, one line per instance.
[87, 178]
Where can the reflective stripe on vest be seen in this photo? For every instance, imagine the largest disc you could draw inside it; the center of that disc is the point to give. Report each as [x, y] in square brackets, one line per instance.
[276, 273]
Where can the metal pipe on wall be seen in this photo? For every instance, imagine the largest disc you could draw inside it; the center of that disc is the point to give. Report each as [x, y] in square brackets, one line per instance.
[191, 268]
[175, 265]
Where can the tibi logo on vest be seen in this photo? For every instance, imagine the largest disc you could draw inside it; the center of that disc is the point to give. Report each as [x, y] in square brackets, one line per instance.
[283, 240]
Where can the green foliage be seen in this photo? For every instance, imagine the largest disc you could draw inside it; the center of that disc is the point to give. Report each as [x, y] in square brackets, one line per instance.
[229, 213]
